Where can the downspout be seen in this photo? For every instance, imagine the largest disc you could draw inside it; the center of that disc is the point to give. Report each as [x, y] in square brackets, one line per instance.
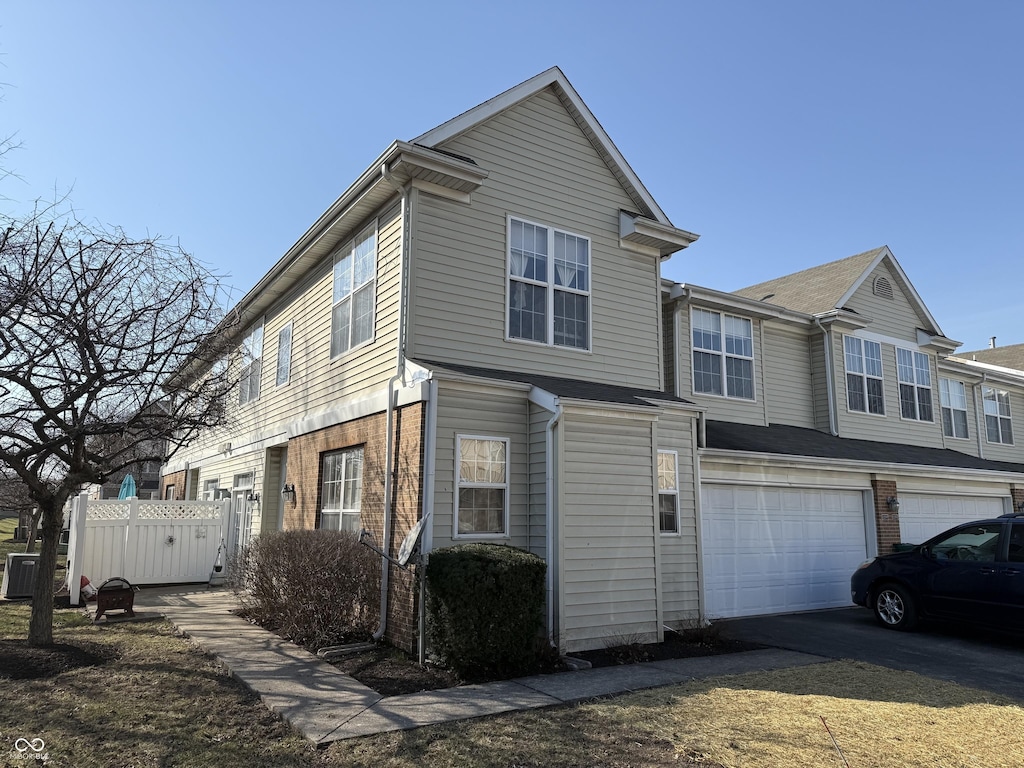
[389, 440]
[979, 414]
[426, 537]
[829, 377]
[549, 516]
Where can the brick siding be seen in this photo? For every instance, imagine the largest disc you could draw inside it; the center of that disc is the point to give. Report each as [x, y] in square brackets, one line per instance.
[305, 460]
[177, 479]
[887, 521]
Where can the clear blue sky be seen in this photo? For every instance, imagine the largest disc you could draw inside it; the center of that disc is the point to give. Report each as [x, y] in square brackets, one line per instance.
[786, 134]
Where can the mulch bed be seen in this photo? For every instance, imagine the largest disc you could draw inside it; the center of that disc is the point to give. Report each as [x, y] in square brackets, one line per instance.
[677, 645]
[20, 661]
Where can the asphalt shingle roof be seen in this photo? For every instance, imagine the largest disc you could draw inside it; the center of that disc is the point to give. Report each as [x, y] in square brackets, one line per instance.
[576, 389]
[1009, 356]
[813, 290]
[799, 441]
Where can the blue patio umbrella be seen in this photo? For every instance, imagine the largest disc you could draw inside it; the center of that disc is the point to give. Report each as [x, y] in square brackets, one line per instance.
[127, 487]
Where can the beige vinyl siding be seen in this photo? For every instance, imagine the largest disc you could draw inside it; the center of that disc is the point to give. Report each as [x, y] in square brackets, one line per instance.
[721, 408]
[483, 412]
[974, 407]
[609, 531]
[537, 529]
[542, 169]
[820, 383]
[789, 396]
[894, 317]
[678, 561]
[316, 381]
[271, 502]
[891, 428]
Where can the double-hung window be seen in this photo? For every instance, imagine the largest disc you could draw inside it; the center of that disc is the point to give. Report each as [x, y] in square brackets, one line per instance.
[548, 285]
[341, 490]
[210, 488]
[864, 375]
[915, 378]
[252, 354]
[355, 266]
[723, 354]
[953, 400]
[668, 492]
[997, 415]
[481, 502]
[284, 354]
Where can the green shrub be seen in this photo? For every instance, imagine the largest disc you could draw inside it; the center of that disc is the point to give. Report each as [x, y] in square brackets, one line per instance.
[315, 588]
[486, 606]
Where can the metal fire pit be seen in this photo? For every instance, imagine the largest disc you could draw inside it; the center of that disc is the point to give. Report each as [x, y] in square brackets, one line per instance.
[115, 594]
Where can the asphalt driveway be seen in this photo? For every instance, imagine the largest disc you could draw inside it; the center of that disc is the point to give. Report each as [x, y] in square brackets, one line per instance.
[964, 655]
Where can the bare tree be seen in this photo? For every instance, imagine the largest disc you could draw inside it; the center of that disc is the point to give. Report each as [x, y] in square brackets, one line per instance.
[103, 341]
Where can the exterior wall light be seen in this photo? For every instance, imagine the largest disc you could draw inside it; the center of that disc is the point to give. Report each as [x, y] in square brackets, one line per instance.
[253, 498]
[893, 504]
[288, 492]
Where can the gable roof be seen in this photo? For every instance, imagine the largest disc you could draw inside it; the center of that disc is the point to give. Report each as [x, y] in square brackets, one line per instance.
[555, 79]
[828, 287]
[800, 441]
[1010, 356]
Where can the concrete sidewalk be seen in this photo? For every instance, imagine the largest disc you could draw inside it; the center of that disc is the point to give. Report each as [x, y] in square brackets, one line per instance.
[326, 705]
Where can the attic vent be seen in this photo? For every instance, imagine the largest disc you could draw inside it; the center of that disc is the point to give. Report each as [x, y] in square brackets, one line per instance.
[883, 287]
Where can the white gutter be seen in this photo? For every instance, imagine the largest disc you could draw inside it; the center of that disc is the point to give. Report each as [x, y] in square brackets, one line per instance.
[829, 377]
[389, 440]
[549, 517]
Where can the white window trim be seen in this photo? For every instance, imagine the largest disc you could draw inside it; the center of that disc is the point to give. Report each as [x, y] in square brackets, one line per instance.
[349, 248]
[459, 485]
[1008, 417]
[864, 376]
[965, 410]
[549, 318]
[674, 492]
[288, 364]
[210, 488]
[900, 382]
[248, 361]
[341, 511]
[722, 355]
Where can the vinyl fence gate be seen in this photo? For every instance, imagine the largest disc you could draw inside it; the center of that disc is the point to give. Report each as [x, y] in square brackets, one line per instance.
[143, 541]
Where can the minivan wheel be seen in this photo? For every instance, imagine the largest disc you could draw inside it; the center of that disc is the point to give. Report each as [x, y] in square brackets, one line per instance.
[894, 607]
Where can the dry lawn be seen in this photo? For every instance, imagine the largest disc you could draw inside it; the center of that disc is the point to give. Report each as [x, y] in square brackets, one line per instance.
[162, 703]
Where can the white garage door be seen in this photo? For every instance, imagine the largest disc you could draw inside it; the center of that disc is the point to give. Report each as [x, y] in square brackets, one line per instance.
[775, 550]
[925, 515]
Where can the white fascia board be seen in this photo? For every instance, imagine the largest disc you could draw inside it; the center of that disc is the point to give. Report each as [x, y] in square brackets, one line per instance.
[503, 101]
[643, 232]
[695, 294]
[938, 343]
[751, 458]
[543, 398]
[1008, 375]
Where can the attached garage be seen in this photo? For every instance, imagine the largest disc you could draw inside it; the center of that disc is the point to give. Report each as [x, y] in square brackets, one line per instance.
[924, 515]
[775, 550]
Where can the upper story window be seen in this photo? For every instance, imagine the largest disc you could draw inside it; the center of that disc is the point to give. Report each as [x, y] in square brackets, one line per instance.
[548, 285]
[864, 375]
[252, 354]
[355, 267]
[481, 502]
[284, 354]
[723, 354]
[997, 415]
[341, 490]
[668, 491]
[953, 401]
[915, 378]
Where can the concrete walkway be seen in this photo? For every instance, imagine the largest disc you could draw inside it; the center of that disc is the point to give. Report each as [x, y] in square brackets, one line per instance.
[326, 705]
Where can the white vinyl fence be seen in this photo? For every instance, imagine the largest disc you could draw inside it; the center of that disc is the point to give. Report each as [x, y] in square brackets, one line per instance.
[145, 542]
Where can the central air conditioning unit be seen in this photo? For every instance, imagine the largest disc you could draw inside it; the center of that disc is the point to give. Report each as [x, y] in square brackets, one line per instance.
[20, 574]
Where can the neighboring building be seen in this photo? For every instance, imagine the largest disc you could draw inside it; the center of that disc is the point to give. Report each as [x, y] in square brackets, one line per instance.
[471, 333]
[837, 424]
[147, 482]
